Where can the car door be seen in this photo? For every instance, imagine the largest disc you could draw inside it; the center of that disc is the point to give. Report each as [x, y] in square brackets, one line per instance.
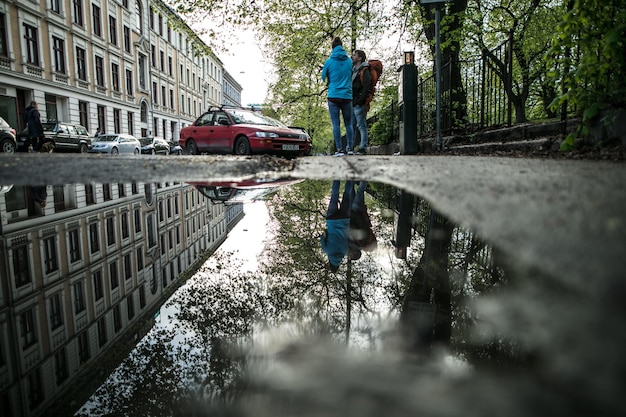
[221, 133]
[202, 131]
[62, 138]
[73, 138]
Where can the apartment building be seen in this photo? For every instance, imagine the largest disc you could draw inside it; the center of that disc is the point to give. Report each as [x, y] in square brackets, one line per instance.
[127, 66]
[78, 273]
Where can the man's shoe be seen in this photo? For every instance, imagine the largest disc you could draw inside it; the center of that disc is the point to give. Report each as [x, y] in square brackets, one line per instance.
[362, 152]
[340, 152]
[350, 151]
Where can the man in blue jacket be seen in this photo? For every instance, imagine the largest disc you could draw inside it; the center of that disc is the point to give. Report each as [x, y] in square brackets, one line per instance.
[335, 240]
[337, 72]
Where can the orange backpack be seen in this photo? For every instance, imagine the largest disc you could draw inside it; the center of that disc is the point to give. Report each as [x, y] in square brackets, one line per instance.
[376, 70]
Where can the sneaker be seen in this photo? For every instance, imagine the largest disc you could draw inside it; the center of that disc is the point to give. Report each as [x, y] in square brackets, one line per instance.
[340, 152]
[362, 151]
[350, 151]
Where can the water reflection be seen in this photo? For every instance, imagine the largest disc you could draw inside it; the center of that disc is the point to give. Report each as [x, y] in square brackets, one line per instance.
[417, 315]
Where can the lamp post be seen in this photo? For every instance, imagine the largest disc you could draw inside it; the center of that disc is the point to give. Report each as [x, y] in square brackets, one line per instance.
[437, 4]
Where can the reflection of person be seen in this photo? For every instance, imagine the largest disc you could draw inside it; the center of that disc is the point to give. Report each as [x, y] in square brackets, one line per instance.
[361, 234]
[335, 238]
[40, 195]
[35, 128]
[361, 85]
[337, 72]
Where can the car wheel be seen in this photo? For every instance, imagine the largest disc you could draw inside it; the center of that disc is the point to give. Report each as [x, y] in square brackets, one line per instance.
[136, 151]
[83, 148]
[192, 148]
[115, 151]
[7, 146]
[242, 146]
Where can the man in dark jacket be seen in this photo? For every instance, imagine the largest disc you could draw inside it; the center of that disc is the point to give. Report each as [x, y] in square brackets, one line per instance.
[33, 122]
[361, 86]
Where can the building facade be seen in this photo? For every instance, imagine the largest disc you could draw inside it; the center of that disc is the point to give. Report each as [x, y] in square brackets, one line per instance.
[231, 91]
[82, 271]
[124, 66]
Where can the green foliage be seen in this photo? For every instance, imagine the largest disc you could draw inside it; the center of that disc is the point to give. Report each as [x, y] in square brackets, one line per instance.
[587, 59]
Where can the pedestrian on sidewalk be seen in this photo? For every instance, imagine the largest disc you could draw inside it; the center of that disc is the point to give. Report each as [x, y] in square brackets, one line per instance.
[362, 237]
[337, 72]
[35, 128]
[361, 86]
[335, 240]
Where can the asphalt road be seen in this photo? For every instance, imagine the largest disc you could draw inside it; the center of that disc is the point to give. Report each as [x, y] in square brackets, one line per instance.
[566, 218]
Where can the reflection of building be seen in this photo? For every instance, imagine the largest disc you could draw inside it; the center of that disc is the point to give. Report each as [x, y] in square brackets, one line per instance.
[81, 271]
[128, 66]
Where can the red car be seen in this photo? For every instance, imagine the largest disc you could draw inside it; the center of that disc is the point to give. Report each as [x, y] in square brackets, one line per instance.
[242, 131]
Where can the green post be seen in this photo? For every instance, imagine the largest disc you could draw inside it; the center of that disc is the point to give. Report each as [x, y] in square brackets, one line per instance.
[407, 99]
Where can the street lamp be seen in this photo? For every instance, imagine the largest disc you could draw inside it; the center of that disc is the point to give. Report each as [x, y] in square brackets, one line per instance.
[437, 4]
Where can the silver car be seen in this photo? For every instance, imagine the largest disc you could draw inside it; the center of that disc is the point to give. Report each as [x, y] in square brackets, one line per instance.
[115, 143]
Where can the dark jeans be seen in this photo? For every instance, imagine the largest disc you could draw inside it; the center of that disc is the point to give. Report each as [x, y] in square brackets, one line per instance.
[340, 209]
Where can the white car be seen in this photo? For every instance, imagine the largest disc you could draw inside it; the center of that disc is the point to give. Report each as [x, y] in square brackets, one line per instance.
[115, 143]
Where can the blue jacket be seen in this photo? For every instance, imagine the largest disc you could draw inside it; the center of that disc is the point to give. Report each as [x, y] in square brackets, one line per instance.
[337, 71]
[335, 240]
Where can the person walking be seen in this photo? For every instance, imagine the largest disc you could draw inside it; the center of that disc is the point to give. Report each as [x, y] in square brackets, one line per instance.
[35, 128]
[361, 86]
[335, 240]
[337, 72]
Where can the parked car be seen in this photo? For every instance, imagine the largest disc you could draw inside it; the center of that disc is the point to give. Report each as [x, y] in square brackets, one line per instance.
[116, 143]
[242, 191]
[8, 143]
[154, 145]
[66, 136]
[242, 132]
[175, 148]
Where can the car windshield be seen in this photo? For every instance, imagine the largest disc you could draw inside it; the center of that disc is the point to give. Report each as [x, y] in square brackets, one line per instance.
[145, 141]
[107, 138]
[248, 117]
[49, 126]
[3, 122]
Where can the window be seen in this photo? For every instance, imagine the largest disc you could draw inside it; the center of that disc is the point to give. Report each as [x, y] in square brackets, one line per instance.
[129, 84]
[94, 238]
[153, 56]
[98, 288]
[121, 189]
[74, 244]
[163, 97]
[21, 271]
[50, 255]
[79, 298]
[117, 120]
[172, 98]
[56, 311]
[60, 366]
[155, 125]
[32, 45]
[131, 124]
[142, 71]
[110, 231]
[81, 65]
[130, 307]
[155, 97]
[127, 43]
[113, 30]
[137, 220]
[90, 196]
[27, 327]
[4, 45]
[125, 228]
[115, 77]
[83, 347]
[139, 259]
[142, 296]
[34, 389]
[113, 277]
[170, 66]
[139, 15]
[101, 110]
[102, 332]
[99, 71]
[160, 25]
[78, 12]
[162, 60]
[83, 114]
[55, 6]
[128, 272]
[58, 46]
[96, 22]
[117, 318]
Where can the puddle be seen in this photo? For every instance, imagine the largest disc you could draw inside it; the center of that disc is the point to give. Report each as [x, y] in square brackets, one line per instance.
[204, 299]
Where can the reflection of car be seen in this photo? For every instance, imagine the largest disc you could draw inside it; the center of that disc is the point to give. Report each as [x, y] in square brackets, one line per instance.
[175, 148]
[242, 132]
[8, 143]
[65, 136]
[240, 192]
[154, 146]
[116, 143]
